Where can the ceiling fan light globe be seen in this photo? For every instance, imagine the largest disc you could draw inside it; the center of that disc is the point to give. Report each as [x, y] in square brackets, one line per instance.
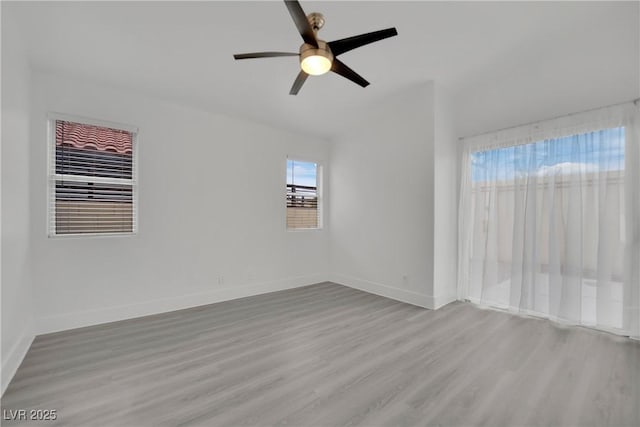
[315, 65]
[316, 60]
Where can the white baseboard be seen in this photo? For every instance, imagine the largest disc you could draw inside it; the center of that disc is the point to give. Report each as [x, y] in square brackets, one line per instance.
[14, 358]
[111, 314]
[403, 295]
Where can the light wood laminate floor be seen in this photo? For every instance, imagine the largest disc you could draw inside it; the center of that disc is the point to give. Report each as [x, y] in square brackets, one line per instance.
[327, 355]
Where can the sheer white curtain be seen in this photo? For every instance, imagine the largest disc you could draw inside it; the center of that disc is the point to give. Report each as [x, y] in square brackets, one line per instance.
[550, 219]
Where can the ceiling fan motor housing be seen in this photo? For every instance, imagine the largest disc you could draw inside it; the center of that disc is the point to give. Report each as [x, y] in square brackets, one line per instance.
[307, 50]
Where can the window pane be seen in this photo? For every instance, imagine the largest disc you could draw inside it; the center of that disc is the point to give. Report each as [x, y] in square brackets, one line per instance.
[92, 184]
[87, 207]
[93, 151]
[302, 195]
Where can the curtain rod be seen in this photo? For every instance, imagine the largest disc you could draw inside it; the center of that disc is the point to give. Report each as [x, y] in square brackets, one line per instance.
[634, 101]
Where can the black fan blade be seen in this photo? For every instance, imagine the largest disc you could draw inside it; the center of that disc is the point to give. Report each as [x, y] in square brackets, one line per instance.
[263, 55]
[302, 76]
[301, 21]
[338, 67]
[350, 43]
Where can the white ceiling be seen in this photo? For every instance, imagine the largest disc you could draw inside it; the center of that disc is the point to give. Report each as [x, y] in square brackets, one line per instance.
[183, 51]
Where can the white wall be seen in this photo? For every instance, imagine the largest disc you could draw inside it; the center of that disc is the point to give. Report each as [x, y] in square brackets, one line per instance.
[382, 209]
[578, 73]
[394, 200]
[445, 183]
[211, 213]
[17, 313]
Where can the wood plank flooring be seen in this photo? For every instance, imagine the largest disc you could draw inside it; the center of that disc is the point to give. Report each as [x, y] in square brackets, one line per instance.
[327, 355]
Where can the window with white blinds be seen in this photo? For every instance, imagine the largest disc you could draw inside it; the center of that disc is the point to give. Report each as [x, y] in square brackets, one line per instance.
[92, 186]
[303, 195]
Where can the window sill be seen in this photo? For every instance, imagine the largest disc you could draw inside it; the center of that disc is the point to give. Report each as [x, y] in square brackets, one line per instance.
[90, 235]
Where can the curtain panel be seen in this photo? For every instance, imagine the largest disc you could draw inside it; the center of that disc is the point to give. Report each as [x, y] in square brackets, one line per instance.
[549, 219]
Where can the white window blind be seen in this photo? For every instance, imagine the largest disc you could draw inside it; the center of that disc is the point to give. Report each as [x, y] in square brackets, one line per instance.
[92, 188]
[303, 197]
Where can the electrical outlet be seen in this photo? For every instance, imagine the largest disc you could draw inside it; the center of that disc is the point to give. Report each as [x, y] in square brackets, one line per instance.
[220, 280]
[405, 279]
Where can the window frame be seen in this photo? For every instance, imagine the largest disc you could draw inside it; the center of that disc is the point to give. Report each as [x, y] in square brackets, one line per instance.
[319, 193]
[52, 176]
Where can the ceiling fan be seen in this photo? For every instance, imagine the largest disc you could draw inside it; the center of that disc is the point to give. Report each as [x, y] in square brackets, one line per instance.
[317, 56]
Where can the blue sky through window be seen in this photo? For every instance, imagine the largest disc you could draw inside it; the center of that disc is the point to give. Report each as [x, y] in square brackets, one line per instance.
[602, 150]
[302, 173]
